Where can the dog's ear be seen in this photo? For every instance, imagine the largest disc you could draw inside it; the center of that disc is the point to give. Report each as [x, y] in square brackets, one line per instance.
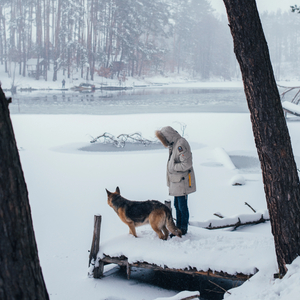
[117, 190]
[108, 192]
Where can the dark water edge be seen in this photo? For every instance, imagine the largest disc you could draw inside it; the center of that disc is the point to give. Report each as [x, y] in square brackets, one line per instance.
[136, 101]
[209, 288]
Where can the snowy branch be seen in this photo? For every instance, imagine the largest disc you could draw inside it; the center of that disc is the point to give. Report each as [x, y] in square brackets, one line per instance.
[296, 97]
[121, 140]
[235, 222]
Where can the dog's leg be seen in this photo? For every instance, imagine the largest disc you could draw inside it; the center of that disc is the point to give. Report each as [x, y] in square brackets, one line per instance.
[122, 216]
[165, 231]
[157, 220]
[132, 229]
[157, 229]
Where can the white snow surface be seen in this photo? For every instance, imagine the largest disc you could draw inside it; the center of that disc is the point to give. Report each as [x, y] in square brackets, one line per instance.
[67, 188]
[180, 296]
[291, 107]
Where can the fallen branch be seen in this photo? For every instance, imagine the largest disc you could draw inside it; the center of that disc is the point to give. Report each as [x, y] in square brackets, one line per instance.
[234, 222]
[218, 215]
[295, 99]
[120, 140]
[239, 223]
[219, 287]
[250, 207]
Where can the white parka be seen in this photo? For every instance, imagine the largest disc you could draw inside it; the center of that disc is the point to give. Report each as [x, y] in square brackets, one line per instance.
[180, 172]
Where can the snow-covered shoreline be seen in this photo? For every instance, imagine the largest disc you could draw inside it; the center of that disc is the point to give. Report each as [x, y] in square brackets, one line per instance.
[67, 188]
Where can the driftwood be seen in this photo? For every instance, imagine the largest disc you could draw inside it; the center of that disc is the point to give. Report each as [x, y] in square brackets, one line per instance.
[237, 224]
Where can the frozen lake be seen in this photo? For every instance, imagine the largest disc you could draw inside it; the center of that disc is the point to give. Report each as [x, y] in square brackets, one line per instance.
[137, 100]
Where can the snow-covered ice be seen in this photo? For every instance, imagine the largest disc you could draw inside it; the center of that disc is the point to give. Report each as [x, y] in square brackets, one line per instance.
[180, 296]
[67, 188]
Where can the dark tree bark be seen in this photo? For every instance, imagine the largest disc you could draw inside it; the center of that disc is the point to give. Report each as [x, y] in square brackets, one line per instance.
[280, 177]
[20, 272]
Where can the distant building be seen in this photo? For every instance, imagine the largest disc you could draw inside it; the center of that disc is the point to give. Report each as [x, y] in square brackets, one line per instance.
[34, 67]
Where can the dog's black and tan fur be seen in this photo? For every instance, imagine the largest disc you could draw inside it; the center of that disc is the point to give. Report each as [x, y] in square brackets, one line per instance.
[138, 213]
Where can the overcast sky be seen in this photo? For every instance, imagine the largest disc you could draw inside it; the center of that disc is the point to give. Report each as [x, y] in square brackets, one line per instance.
[262, 5]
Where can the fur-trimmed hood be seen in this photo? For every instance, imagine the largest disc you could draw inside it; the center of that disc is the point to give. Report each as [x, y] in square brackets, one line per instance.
[168, 136]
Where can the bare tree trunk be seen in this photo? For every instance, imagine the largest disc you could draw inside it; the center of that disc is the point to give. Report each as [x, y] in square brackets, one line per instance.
[56, 40]
[46, 36]
[5, 44]
[20, 272]
[1, 37]
[281, 182]
[39, 34]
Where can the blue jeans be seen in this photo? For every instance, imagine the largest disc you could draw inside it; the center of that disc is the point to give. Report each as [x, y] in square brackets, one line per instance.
[182, 213]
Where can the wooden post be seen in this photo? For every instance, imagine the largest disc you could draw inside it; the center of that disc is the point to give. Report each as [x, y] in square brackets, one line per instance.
[98, 270]
[128, 270]
[168, 203]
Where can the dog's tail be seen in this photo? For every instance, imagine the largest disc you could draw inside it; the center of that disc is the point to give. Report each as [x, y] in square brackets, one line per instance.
[171, 225]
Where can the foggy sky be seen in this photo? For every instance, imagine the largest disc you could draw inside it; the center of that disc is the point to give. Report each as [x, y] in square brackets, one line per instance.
[262, 5]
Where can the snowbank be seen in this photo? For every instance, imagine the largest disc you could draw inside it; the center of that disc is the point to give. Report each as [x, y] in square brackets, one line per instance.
[183, 295]
[291, 107]
[67, 188]
[263, 287]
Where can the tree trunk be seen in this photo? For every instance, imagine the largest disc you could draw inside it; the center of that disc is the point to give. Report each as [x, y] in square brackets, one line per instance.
[280, 177]
[20, 272]
[56, 40]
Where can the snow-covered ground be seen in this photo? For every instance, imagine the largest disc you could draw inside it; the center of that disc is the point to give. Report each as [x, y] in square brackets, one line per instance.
[171, 80]
[67, 188]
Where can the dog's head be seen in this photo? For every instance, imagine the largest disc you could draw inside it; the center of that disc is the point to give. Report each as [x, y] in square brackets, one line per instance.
[110, 196]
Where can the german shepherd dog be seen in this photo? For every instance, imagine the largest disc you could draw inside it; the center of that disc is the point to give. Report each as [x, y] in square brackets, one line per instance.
[138, 213]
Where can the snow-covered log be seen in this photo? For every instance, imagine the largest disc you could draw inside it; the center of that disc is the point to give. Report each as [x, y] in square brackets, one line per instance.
[223, 158]
[291, 108]
[236, 221]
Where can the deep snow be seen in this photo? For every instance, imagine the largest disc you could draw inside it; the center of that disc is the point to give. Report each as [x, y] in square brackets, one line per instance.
[67, 188]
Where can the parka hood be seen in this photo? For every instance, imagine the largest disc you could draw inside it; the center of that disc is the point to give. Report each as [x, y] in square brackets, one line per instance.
[168, 136]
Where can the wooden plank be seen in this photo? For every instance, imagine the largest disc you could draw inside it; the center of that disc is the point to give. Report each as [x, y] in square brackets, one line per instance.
[123, 261]
[98, 269]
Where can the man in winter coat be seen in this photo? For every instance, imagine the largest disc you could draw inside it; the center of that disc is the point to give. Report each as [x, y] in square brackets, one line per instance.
[180, 173]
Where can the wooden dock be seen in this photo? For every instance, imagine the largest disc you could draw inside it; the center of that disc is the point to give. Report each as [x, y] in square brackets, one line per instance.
[97, 264]
[123, 262]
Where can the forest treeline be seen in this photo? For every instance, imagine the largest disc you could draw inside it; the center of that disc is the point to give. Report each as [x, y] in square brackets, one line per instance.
[121, 38]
